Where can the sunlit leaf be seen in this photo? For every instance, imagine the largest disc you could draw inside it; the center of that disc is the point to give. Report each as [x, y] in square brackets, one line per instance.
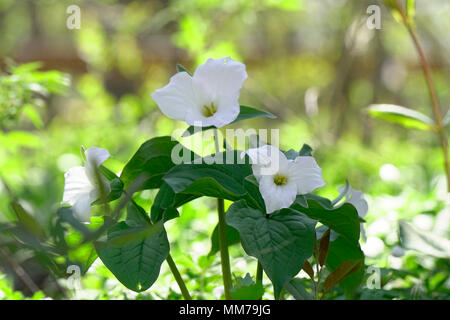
[403, 116]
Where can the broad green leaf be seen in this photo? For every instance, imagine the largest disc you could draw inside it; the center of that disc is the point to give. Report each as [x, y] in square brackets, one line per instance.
[422, 241]
[134, 251]
[247, 289]
[211, 180]
[345, 268]
[150, 163]
[244, 114]
[406, 117]
[232, 238]
[282, 242]
[297, 290]
[343, 219]
[339, 251]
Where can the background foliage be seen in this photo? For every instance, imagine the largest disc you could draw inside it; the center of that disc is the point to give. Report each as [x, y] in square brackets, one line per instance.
[314, 64]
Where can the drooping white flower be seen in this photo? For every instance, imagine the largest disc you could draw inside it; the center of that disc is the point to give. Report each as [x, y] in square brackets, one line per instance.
[356, 198]
[280, 179]
[81, 186]
[208, 98]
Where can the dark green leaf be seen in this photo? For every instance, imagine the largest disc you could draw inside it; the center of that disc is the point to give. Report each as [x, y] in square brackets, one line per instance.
[134, 251]
[341, 250]
[344, 219]
[297, 290]
[282, 243]
[151, 161]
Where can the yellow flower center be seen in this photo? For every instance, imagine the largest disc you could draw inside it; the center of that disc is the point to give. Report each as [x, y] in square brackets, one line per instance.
[208, 111]
[279, 180]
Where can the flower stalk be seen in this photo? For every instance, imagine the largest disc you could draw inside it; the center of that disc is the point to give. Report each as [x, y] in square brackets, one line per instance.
[440, 129]
[223, 242]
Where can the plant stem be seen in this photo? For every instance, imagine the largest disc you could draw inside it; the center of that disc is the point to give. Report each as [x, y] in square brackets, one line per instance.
[223, 243]
[178, 278]
[431, 89]
[259, 273]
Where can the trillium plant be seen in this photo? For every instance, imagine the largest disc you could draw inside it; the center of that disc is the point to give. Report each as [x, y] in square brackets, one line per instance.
[271, 209]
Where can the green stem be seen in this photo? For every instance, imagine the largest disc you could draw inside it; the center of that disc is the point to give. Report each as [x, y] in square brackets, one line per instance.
[259, 273]
[431, 89]
[178, 278]
[223, 243]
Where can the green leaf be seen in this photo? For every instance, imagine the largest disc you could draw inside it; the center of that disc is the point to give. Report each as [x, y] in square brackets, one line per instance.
[297, 290]
[232, 238]
[305, 151]
[211, 180]
[151, 162]
[244, 114]
[27, 221]
[134, 251]
[282, 242]
[247, 289]
[166, 203]
[422, 241]
[403, 116]
[344, 219]
[339, 251]
[345, 268]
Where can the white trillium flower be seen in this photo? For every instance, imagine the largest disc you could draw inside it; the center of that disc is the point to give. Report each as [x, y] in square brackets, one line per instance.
[81, 186]
[356, 198]
[280, 179]
[208, 98]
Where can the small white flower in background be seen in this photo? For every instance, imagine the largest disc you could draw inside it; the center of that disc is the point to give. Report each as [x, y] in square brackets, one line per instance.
[356, 198]
[81, 186]
[280, 179]
[208, 98]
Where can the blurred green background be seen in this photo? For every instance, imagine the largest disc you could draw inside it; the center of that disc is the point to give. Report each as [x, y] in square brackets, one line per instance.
[312, 63]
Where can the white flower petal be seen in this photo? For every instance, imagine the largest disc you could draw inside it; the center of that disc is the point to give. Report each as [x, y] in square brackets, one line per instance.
[82, 208]
[177, 99]
[96, 156]
[306, 173]
[267, 160]
[77, 184]
[219, 81]
[356, 198]
[276, 197]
